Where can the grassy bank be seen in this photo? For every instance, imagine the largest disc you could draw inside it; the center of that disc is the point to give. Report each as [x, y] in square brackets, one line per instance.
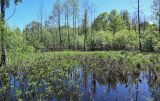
[130, 58]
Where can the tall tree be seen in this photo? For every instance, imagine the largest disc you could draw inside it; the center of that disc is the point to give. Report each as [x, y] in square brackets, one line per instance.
[41, 17]
[74, 9]
[50, 25]
[4, 4]
[67, 26]
[126, 17]
[92, 15]
[85, 27]
[134, 21]
[57, 12]
[85, 5]
[101, 22]
[156, 11]
[115, 22]
[32, 33]
[139, 25]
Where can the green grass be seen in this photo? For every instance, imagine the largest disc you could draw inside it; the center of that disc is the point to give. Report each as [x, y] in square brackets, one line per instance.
[129, 58]
[53, 68]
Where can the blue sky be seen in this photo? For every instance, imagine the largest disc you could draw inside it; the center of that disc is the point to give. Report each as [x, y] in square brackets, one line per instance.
[28, 10]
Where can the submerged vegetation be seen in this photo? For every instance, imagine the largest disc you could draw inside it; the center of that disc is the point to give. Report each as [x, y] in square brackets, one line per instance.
[44, 60]
[58, 75]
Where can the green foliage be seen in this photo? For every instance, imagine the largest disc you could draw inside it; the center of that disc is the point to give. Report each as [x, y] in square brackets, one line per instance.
[15, 41]
[116, 23]
[33, 35]
[157, 47]
[108, 31]
[155, 10]
[101, 22]
[125, 39]
[126, 17]
[100, 39]
[79, 41]
[51, 71]
[149, 41]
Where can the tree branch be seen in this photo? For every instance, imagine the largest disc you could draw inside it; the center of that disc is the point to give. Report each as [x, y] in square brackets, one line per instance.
[12, 13]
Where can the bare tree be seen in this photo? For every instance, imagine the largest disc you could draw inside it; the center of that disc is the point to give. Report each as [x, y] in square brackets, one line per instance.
[85, 27]
[138, 22]
[41, 14]
[156, 12]
[139, 27]
[57, 12]
[134, 22]
[74, 7]
[92, 15]
[67, 26]
[85, 22]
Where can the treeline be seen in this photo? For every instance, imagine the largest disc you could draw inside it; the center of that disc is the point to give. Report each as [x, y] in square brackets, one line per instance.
[73, 25]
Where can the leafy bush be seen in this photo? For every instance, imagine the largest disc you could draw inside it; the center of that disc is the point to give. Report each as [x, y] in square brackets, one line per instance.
[157, 47]
[151, 41]
[125, 39]
[79, 42]
[100, 40]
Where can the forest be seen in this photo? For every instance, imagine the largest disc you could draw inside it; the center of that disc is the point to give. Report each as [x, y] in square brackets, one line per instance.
[77, 54]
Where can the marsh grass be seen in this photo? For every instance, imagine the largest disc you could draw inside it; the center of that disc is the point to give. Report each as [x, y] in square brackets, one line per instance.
[53, 74]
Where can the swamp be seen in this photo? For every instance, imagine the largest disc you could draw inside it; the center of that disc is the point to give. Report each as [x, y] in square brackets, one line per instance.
[84, 76]
[79, 50]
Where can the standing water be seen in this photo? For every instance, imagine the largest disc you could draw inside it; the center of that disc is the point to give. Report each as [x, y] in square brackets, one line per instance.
[60, 80]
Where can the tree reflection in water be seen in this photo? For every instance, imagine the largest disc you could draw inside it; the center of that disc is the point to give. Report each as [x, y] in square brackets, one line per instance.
[98, 80]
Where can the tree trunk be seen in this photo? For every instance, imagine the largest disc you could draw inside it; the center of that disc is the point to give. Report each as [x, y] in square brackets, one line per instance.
[75, 30]
[91, 34]
[139, 29]
[78, 31]
[85, 28]
[59, 28]
[159, 17]
[41, 20]
[85, 41]
[69, 44]
[3, 44]
[73, 33]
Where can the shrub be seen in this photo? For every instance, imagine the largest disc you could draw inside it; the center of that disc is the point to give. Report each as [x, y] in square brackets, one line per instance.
[125, 39]
[150, 41]
[100, 40]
